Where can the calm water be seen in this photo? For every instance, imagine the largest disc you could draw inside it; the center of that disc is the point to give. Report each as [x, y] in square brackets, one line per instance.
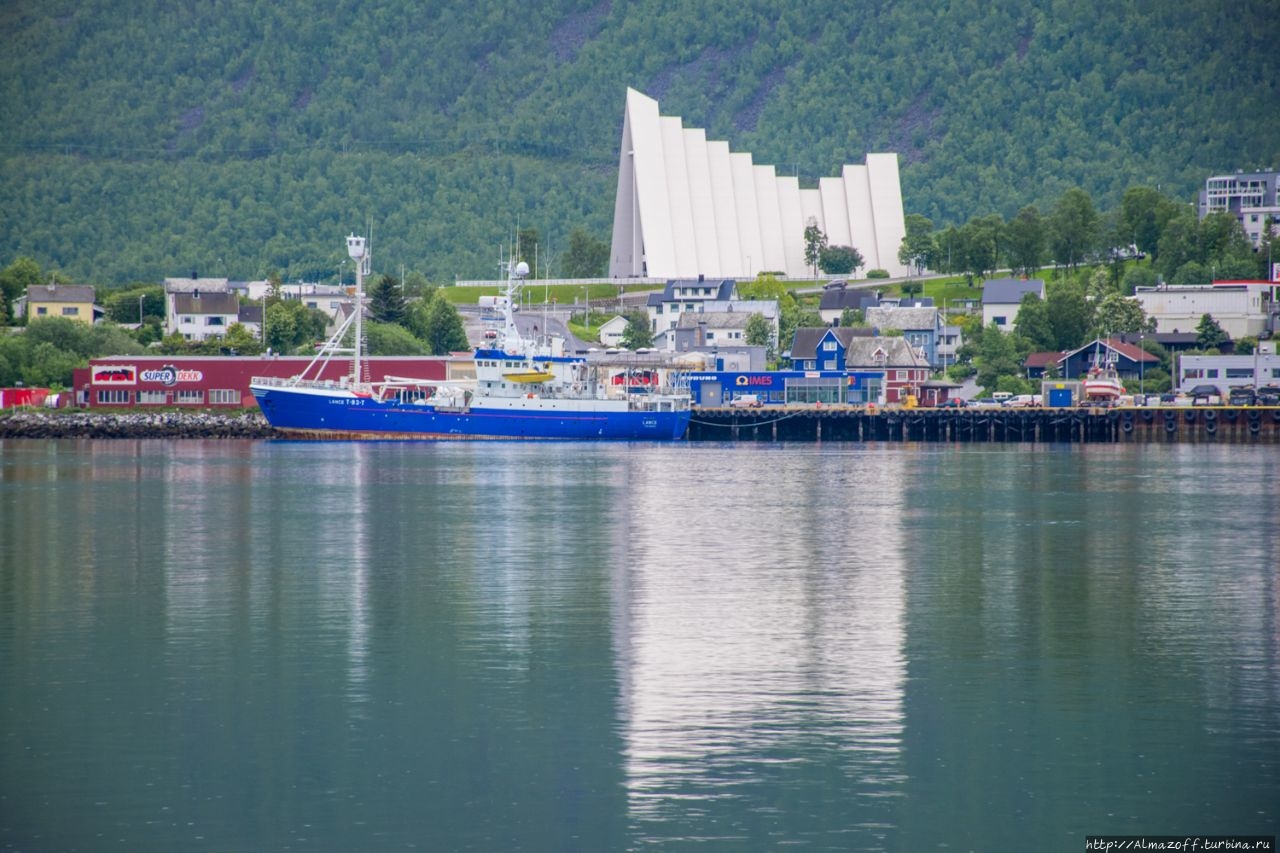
[289, 646]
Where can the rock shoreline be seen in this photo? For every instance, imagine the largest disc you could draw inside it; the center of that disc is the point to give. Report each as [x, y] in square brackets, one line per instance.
[82, 424]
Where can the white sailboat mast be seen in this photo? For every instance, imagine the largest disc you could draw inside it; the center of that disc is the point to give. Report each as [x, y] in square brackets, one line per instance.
[358, 249]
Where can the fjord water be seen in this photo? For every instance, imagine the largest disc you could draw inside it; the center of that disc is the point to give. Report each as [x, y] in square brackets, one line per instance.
[295, 646]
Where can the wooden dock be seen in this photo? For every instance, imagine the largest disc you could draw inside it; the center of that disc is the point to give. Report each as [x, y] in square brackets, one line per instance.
[1078, 425]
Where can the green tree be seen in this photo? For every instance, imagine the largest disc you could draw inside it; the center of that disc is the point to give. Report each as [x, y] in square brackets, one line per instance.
[240, 339]
[1138, 276]
[1024, 242]
[1071, 312]
[919, 247]
[15, 279]
[436, 323]
[999, 355]
[637, 334]
[978, 246]
[839, 260]
[528, 242]
[758, 332]
[1117, 314]
[1073, 228]
[1209, 334]
[391, 339]
[1144, 212]
[1034, 323]
[122, 306]
[386, 300]
[814, 242]
[587, 257]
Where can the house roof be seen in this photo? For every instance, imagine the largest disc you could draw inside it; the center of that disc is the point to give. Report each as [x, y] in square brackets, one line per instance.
[60, 293]
[190, 285]
[839, 299]
[713, 319]
[902, 318]
[1130, 351]
[206, 303]
[865, 352]
[1009, 291]
[723, 290]
[1043, 359]
[805, 343]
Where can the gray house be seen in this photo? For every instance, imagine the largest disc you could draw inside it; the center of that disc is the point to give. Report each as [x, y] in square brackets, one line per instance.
[1001, 298]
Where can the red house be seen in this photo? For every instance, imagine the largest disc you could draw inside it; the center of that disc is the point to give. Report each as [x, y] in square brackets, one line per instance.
[223, 381]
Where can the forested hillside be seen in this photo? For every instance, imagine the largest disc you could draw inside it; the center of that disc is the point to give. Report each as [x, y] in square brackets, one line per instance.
[150, 138]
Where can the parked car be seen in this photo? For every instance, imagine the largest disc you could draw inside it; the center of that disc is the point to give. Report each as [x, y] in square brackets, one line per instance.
[1268, 395]
[1025, 401]
[1205, 395]
[952, 403]
[746, 401]
[1241, 396]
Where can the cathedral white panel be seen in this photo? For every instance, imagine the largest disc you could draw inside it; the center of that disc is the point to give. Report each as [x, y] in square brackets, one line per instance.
[835, 212]
[789, 213]
[744, 192]
[650, 169]
[886, 202]
[727, 237]
[702, 203]
[862, 223]
[682, 233]
[773, 255]
[624, 255]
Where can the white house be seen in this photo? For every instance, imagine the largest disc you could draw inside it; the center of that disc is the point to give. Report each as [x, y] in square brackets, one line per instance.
[1236, 306]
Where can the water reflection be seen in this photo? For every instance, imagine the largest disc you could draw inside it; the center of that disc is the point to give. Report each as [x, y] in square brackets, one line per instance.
[759, 648]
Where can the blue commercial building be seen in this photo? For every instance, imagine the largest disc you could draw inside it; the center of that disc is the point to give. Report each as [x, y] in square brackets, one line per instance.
[779, 387]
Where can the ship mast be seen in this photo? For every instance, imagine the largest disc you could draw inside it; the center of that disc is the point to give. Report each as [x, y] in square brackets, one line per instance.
[360, 254]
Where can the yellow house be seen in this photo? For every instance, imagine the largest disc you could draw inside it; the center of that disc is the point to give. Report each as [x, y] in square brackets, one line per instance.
[73, 301]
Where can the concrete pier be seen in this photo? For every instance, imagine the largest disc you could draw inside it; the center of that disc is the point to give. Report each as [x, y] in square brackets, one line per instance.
[1198, 424]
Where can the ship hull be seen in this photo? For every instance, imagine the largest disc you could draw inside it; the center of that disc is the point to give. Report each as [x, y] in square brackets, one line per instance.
[307, 414]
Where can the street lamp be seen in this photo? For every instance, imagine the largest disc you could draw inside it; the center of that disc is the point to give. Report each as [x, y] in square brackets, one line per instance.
[1142, 388]
[141, 296]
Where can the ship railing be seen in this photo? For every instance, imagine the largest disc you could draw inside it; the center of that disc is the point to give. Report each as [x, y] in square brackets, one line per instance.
[296, 382]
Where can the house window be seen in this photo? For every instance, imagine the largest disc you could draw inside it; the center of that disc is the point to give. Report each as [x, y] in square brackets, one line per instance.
[186, 320]
[828, 346]
[1239, 372]
[113, 396]
[70, 311]
[1000, 321]
[215, 321]
[151, 398]
[41, 310]
[1211, 373]
[829, 364]
[901, 375]
[224, 396]
[1193, 373]
[711, 336]
[190, 398]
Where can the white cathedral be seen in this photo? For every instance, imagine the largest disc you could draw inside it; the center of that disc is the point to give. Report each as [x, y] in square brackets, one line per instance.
[687, 206]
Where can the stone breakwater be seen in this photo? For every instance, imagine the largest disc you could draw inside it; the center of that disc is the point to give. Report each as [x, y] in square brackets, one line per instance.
[62, 424]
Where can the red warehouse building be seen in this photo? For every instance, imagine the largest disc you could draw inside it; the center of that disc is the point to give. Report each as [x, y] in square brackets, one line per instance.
[223, 381]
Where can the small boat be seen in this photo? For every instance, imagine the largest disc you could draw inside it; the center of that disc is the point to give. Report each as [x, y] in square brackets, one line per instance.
[1102, 384]
[529, 376]
[574, 397]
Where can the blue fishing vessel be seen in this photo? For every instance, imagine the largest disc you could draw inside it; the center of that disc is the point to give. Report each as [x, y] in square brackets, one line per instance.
[524, 388]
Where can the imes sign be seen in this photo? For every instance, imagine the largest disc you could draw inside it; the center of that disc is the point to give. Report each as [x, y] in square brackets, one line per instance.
[169, 375]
